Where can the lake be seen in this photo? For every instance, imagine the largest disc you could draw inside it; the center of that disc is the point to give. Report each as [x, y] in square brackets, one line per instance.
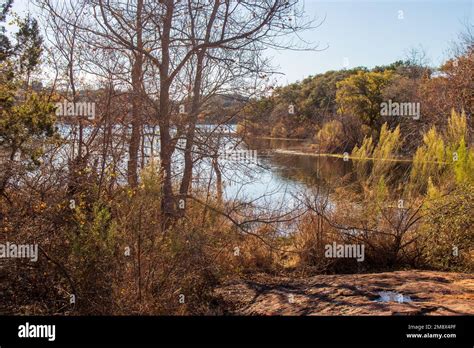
[282, 169]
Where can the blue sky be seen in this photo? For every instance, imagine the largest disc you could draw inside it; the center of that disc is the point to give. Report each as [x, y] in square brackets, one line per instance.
[368, 33]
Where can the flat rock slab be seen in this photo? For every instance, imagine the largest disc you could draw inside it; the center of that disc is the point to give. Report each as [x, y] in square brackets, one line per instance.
[391, 293]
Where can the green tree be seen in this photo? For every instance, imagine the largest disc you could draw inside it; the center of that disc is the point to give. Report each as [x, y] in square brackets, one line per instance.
[317, 96]
[28, 48]
[361, 95]
[24, 123]
[5, 45]
[26, 118]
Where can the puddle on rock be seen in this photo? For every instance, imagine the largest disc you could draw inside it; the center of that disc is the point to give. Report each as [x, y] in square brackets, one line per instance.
[391, 296]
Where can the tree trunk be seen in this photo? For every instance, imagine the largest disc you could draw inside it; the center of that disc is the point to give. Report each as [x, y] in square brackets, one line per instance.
[188, 156]
[166, 147]
[137, 73]
[219, 189]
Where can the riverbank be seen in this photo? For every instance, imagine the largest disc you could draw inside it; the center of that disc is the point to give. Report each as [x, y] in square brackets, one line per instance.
[413, 292]
[312, 149]
[348, 157]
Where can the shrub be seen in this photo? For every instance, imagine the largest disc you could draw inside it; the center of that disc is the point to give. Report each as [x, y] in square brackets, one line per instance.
[331, 137]
[279, 131]
[442, 160]
[447, 238]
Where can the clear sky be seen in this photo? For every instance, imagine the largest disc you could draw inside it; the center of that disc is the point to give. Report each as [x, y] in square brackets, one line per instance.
[368, 33]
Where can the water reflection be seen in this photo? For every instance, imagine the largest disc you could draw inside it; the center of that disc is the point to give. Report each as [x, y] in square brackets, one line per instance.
[284, 175]
[282, 169]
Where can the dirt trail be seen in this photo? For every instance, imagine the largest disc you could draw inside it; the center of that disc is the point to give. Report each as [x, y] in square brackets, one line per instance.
[391, 293]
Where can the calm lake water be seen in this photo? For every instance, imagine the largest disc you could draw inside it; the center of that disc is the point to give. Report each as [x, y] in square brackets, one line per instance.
[281, 170]
[280, 175]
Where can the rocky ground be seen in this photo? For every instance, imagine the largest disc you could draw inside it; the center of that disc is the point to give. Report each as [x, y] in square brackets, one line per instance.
[392, 293]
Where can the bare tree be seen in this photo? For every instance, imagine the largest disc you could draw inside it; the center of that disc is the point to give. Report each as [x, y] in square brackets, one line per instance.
[185, 45]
